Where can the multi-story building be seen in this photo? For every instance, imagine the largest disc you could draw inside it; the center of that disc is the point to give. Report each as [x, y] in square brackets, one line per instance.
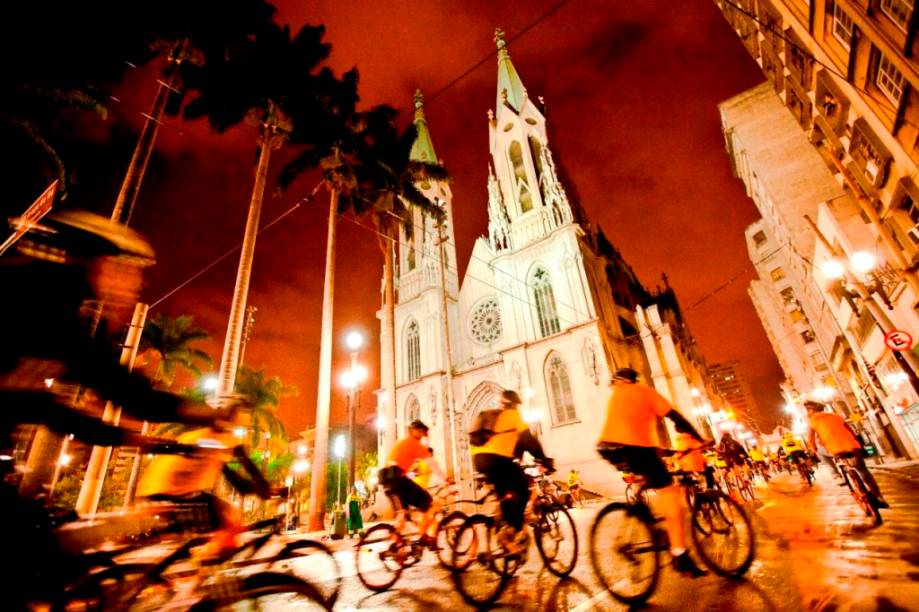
[846, 72]
[732, 385]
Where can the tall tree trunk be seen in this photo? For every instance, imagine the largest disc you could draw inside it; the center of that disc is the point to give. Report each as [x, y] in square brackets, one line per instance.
[388, 339]
[229, 360]
[321, 443]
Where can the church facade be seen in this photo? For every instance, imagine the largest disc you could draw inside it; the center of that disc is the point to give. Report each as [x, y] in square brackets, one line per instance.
[546, 307]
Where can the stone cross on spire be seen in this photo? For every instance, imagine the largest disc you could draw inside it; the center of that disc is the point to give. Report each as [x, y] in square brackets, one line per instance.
[508, 79]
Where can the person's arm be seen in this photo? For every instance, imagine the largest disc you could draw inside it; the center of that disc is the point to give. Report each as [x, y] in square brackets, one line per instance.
[681, 424]
[435, 468]
[255, 483]
[526, 441]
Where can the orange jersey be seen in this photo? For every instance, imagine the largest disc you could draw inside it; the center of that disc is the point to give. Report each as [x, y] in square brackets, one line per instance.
[833, 432]
[632, 413]
[406, 452]
[507, 426]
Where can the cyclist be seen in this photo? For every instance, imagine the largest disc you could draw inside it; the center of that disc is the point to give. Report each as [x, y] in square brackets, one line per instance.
[733, 454]
[759, 461]
[395, 480]
[694, 461]
[629, 437]
[69, 260]
[495, 460]
[190, 480]
[840, 441]
[794, 449]
[574, 487]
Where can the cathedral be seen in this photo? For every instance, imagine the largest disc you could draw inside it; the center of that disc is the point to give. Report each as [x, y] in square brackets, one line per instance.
[547, 306]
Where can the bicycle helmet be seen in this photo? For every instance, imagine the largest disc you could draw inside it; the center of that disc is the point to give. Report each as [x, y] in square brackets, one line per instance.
[627, 374]
[70, 235]
[416, 424]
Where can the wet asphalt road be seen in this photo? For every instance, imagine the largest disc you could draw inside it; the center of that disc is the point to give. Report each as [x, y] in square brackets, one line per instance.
[815, 551]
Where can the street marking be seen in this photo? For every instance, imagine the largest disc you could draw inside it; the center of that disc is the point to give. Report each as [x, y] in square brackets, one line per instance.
[588, 605]
[766, 505]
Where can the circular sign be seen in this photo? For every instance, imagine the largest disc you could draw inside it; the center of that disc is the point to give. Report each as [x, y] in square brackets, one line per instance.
[898, 340]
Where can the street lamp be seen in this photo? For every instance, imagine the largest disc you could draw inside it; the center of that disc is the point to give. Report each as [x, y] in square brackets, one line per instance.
[209, 383]
[338, 448]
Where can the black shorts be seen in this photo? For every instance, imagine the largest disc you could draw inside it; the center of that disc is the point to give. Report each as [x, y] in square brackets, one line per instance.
[642, 460]
[409, 493]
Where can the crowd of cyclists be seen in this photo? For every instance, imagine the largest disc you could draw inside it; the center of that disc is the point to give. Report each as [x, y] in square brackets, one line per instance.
[75, 265]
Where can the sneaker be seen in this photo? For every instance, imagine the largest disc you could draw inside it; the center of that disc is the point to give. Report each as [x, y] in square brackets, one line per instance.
[685, 565]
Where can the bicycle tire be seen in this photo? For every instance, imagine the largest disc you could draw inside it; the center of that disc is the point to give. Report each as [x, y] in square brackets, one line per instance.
[865, 499]
[376, 557]
[639, 546]
[475, 570]
[552, 528]
[312, 561]
[447, 529]
[123, 585]
[267, 584]
[733, 530]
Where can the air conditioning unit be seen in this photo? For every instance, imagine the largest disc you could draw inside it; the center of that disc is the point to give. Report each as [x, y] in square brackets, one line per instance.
[872, 171]
[913, 234]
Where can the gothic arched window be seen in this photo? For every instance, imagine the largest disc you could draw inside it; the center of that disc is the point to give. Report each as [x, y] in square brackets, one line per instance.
[561, 403]
[409, 247]
[546, 312]
[520, 175]
[412, 410]
[536, 150]
[412, 351]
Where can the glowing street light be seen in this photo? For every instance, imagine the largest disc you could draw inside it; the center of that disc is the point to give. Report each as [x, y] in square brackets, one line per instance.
[209, 383]
[694, 392]
[863, 261]
[833, 269]
[354, 340]
[301, 466]
[301, 449]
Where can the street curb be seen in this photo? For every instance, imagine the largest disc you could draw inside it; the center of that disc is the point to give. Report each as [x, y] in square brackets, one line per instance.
[894, 473]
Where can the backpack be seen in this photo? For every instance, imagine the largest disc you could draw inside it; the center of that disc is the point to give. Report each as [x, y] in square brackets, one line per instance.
[483, 427]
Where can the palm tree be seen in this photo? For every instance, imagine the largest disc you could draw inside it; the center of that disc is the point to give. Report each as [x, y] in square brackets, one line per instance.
[173, 338]
[263, 396]
[270, 80]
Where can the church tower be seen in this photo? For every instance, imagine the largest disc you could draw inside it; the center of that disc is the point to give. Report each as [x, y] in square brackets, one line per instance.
[526, 200]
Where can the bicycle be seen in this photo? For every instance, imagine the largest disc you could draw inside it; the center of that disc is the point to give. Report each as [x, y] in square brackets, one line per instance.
[860, 491]
[384, 551]
[627, 539]
[154, 584]
[483, 564]
[803, 466]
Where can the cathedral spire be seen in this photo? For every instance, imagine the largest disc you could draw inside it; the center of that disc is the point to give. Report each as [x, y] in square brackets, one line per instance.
[510, 88]
[422, 148]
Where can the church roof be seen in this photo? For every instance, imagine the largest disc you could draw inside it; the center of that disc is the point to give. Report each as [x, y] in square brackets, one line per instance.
[510, 88]
[422, 148]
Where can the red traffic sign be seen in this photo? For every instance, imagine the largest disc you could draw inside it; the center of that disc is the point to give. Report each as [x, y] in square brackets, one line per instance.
[898, 340]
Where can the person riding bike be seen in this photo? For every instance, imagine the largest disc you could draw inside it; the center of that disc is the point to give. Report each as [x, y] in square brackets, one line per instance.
[759, 461]
[629, 438]
[190, 480]
[793, 448]
[395, 480]
[840, 441]
[70, 260]
[574, 487]
[495, 460]
[694, 461]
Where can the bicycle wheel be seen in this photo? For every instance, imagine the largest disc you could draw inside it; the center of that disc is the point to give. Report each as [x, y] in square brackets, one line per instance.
[379, 555]
[729, 545]
[557, 541]
[314, 562]
[478, 569]
[746, 491]
[624, 552]
[447, 529]
[121, 586]
[269, 590]
[865, 499]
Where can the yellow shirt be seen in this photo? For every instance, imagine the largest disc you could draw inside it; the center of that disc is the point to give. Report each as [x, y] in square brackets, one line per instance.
[509, 424]
[791, 445]
[632, 413]
[573, 479]
[180, 475]
[422, 474]
[756, 455]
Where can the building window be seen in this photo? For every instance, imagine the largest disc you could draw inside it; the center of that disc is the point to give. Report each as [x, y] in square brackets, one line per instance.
[889, 80]
[759, 239]
[545, 304]
[412, 351]
[561, 402]
[868, 154]
[842, 27]
[536, 151]
[412, 410]
[912, 210]
[520, 175]
[899, 11]
[808, 336]
[797, 316]
[788, 295]
[409, 247]
[777, 274]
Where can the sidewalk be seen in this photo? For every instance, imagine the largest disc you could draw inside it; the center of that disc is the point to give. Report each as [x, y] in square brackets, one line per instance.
[906, 470]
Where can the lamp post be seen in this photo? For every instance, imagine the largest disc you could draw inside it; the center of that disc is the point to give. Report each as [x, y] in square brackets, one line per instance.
[352, 380]
[300, 467]
[339, 448]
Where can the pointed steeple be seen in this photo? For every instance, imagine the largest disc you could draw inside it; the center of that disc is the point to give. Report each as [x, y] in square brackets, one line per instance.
[422, 148]
[510, 87]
